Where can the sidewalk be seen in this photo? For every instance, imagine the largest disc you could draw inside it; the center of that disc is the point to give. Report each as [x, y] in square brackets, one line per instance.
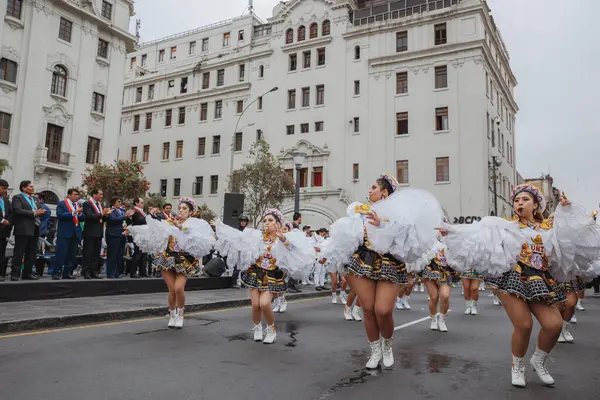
[48, 314]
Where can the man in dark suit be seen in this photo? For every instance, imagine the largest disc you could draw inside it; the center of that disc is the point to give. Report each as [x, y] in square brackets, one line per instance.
[115, 238]
[69, 214]
[166, 213]
[138, 261]
[25, 218]
[92, 234]
[5, 226]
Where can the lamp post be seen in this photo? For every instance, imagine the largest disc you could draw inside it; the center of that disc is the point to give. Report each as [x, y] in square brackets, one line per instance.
[274, 89]
[493, 165]
[299, 158]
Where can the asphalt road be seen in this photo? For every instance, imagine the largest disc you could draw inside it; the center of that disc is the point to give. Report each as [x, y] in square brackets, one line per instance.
[317, 356]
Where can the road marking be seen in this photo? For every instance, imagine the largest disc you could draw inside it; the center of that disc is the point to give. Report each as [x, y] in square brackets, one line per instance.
[131, 321]
[406, 325]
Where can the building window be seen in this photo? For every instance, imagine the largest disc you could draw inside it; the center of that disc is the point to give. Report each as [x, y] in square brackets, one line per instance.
[176, 187]
[205, 44]
[59, 81]
[314, 30]
[239, 107]
[356, 124]
[261, 71]
[8, 70]
[442, 169]
[242, 73]
[163, 187]
[181, 116]
[5, 123]
[98, 103]
[441, 119]
[136, 123]
[487, 85]
[304, 128]
[179, 149]
[289, 129]
[291, 99]
[487, 118]
[205, 80]
[289, 36]
[173, 52]
[166, 150]
[132, 62]
[216, 145]
[183, 85]
[241, 35]
[320, 94]
[133, 157]
[303, 174]
[402, 172]
[148, 121]
[355, 171]
[192, 47]
[301, 33]
[326, 29]
[198, 184]
[357, 52]
[402, 83]
[356, 88]
[144, 59]
[203, 111]
[161, 55]
[168, 117]
[93, 150]
[65, 29]
[102, 48]
[317, 177]
[440, 34]
[441, 77]
[226, 39]
[13, 8]
[306, 59]
[218, 109]
[107, 10]
[201, 146]
[54, 136]
[321, 56]
[305, 97]
[220, 77]
[402, 123]
[259, 135]
[214, 184]
[293, 63]
[319, 126]
[138, 94]
[401, 41]
[146, 154]
[259, 104]
[237, 143]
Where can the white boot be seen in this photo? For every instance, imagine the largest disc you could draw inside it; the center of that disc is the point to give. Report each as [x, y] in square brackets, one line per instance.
[573, 319]
[343, 297]
[561, 338]
[434, 323]
[348, 313]
[404, 301]
[421, 287]
[270, 335]
[276, 305]
[473, 307]
[333, 298]
[172, 316]
[442, 323]
[566, 332]
[468, 307]
[258, 332]
[497, 301]
[518, 372]
[282, 304]
[357, 313]
[386, 348]
[538, 363]
[579, 306]
[399, 304]
[179, 318]
[376, 355]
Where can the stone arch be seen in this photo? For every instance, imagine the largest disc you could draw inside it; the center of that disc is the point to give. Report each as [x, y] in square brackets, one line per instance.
[50, 197]
[328, 215]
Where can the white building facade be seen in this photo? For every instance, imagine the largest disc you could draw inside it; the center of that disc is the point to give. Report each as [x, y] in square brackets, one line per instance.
[62, 79]
[422, 89]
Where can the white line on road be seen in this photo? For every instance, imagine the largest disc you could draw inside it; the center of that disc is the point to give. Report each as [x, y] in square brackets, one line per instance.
[417, 321]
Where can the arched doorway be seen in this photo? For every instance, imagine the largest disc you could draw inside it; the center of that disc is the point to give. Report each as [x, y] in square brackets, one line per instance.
[50, 197]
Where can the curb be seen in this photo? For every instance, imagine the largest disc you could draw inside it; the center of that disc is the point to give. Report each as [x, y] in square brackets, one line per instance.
[82, 319]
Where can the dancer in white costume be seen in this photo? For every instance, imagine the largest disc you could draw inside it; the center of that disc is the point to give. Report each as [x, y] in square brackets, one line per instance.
[519, 256]
[280, 304]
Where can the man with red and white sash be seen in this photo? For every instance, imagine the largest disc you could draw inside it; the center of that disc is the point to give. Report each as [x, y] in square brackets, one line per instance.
[93, 231]
[69, 214]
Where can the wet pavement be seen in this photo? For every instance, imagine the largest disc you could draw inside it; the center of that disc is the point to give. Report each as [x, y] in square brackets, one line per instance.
[317, 356]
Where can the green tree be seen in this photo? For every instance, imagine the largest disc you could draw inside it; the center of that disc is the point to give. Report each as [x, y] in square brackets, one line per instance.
[3, 166]
[262, 181]
[154, 200]
[124, 179]
[206, 213]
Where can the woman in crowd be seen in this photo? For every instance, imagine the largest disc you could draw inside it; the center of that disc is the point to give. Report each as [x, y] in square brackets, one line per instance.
[471, 281]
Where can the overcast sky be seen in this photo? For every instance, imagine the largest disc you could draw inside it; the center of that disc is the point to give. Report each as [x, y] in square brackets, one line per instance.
[554, 54]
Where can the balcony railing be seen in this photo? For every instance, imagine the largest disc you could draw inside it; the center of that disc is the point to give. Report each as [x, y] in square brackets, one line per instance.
[52, 159]
[58, 157]
[398, 9]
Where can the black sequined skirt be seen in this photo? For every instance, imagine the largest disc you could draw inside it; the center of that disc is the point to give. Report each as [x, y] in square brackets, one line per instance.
[372, 265]
[442, 275]
[528, 283]
[272, 280]
[575, 285]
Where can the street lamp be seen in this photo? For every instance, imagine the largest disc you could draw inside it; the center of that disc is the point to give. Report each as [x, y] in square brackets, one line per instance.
[494, 165]
[274, 89]
[298, 158]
